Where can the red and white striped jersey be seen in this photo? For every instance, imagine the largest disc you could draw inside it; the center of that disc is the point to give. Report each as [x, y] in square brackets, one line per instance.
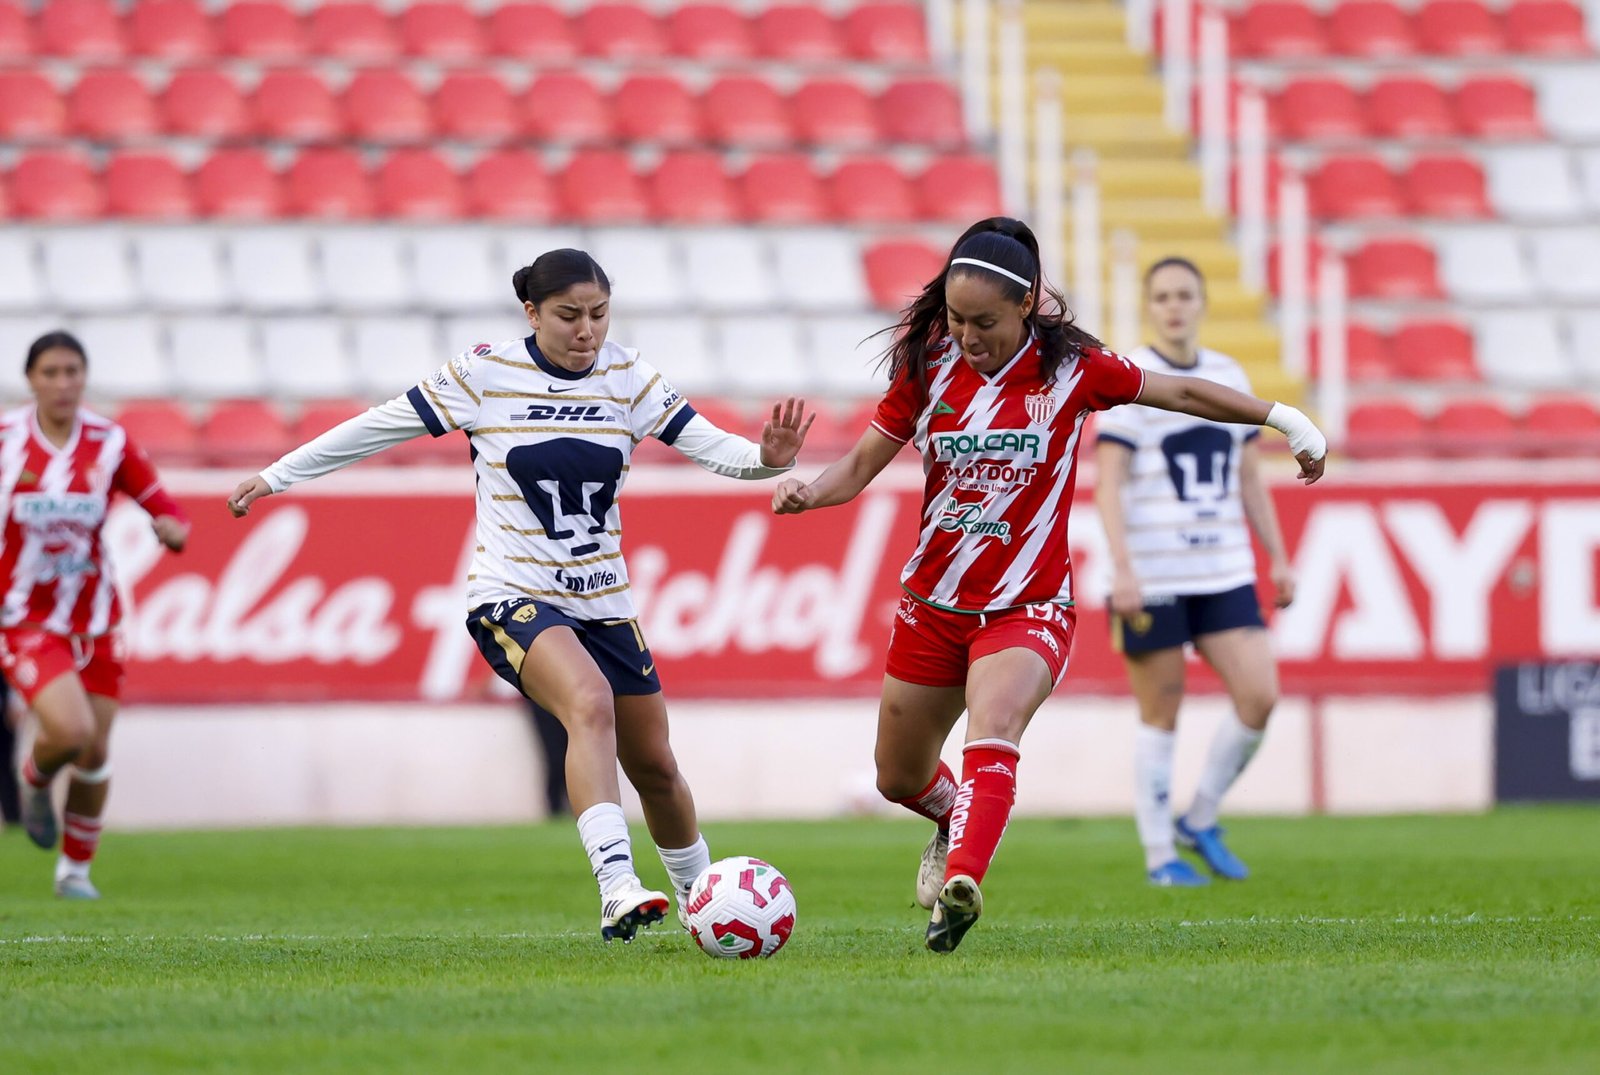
[999, 450]
[53, 565]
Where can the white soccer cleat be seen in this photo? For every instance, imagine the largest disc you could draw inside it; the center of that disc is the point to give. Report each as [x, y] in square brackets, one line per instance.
[622, 912]
[930, 875]
[75, 886]
[683, 910]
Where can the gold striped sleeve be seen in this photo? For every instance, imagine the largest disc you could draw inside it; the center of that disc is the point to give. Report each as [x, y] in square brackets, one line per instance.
[663, 420]
[645, 391]
[439, 405]
[451, 366]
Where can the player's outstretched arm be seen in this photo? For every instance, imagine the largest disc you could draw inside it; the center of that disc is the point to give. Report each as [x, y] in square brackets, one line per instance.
[842, 481]
[246, 493]
[1219, 403]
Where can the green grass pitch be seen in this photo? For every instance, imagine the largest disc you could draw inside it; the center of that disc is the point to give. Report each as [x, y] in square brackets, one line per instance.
[1453, 945]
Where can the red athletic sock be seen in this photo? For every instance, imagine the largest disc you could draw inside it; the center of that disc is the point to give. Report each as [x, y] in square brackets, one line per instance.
[934, 801]
[32, 775]
[79, 836]
[982, 807]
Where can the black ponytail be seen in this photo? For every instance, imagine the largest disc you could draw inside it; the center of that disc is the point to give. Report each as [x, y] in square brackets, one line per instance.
[556, 270]
[50, 341]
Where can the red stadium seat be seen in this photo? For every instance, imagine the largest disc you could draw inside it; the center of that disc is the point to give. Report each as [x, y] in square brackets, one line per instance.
[897, 270]
[887, 33]
[146, 185]
[691, 187]
[620, 32]
[33, 109]
[449, 32]
[836, 113]
[296, 106]
[656, 108]
[385, 106]
[204, 104]
[566, 108]
[163, 429]
[417, 184]
[1366, 354]
[1433, 350]
[1498, 107]
[1446, 185]
[959, 189]
[781, 188]
[799, 33]
[1472, 427]
[1318, 108]
[744, 111]
[599, 187]
[475, 107]
[710, 32]
[534, 33]
[81, 29]
[241, 431]
[1395, 269]
[923, 111]
[16, 36]
[356, 32]
[1405, 107]
[1280, 29]
[1561, 426]
[172, 30]
[1458, 28]
[111, 106]
[1381, 427]
[237, 183]
[1547, 28]
[266, 30]
[1357, 186]
[511, 185]
[319, 416]
[1373, 29]
[871, 190]
[330, 183]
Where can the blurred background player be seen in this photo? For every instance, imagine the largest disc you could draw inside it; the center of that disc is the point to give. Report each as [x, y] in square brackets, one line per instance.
[59, 646]
[992, 385]
[1174, 493]
[554, 419]
[552, 736]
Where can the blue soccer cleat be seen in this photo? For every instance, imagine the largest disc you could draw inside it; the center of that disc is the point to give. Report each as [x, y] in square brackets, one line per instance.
[1177, 874]
[1207, 843]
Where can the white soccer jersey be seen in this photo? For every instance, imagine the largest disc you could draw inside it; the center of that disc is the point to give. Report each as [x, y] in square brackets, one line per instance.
[551, 450]
[1187, 532]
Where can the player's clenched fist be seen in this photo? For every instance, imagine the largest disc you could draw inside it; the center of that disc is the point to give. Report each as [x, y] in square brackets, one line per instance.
[248, 492]
[791, 497]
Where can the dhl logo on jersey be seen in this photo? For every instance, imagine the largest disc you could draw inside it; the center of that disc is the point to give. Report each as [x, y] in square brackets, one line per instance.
[571, 412]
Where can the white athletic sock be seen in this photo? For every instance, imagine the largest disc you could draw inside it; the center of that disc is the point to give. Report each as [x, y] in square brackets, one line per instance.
[686, 863]
[1152, 788]
[1231, 751]
[604, 832]
[66, 867]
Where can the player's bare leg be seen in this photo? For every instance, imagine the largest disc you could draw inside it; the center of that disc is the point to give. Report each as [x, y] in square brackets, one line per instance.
[913, 723]
[81, 819]
[66, 727]
[1157, 680]
[647, 761]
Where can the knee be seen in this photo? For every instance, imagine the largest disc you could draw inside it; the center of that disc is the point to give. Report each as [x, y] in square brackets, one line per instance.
[79, 740]
[896, 783]
[93, 755]
[591, 710]
[1255, 709]
[655, 775]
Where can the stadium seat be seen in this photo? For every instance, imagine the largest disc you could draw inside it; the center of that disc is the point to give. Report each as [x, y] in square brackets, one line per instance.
[1433, 350]
[1406, 107]
[835, 113]
[646, 266]
[871, 190]
[1533, 183]
[511, 185]
[1523, 349]
[532, 33]
[327, 182]
[1366, 354]
[84, 30]
[1318, 108]
[1546, 28]
[88, 269]
[55, 185]
[33, 111]
[177, 31]
[294, 105]
[1371, 29]
[748, 112]
[818, 270]
[137, 353]
[1397, 268]
[728, 270]
[110, 106]
[215, 358]
[845, 352]
[353, 32]
[474, 107]
[447, 32]
[180, 269]
[1567, 97]
[564, 107]
[1589, 177]
[307, 358]
[204, 104]
[163, 429]
[1352, 187]
[1561, 426]
[320, 415]
[452, 269]
[1497, 107]
[1484, 264]
[241, 432]
[237, 183]
[363, 269]
[959, 188]
[1280, 30]
[1381, 427]
[922, 111]
[1566, 263]
[656, 108]
[681, 347]
[897, 270]
[620, 31]
[393, 353]
[598, 186]
[272, 268]
[1585, 329]
[146, 185]
[19, 272]
[714, 32]
[16, 36]
[417, 184]
[385, 106]
[762, 355]
[781, 188]
[265, 30]
[1445, 185]
[691, 187]
[1472, 427]
[798, 33]
[887, 33]
[1457, 28]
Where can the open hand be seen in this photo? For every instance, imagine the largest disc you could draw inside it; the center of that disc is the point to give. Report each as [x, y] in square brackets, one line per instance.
[784, 433]
[249, 491]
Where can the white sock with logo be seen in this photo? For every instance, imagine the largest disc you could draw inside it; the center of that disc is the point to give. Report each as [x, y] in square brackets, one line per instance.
[1152, 790]
[1231, 751]
[604, 832]
[685, 863]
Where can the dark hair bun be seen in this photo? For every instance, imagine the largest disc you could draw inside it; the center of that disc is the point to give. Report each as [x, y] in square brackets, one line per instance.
[519, 282]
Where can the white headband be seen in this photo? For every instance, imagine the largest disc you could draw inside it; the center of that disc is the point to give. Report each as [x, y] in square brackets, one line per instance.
[993, 268]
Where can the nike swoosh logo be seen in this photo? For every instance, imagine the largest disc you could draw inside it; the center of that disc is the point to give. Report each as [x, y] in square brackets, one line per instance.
[574, 388]
[607, 847]
[647, 669]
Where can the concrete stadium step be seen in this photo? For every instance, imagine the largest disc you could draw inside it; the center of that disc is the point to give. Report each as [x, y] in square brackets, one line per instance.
[1083, 21]
[1124, 177]
[1076, 57]
[1157, 220]
[1130, 136]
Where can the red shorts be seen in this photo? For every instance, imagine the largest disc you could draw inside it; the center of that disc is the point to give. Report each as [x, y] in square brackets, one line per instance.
[33, 658]
[932, 647]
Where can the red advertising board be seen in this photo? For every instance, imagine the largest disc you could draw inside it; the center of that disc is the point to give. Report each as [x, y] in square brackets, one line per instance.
[351, 588]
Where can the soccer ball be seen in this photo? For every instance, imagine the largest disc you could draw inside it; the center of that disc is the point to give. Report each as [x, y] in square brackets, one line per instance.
[740, 908]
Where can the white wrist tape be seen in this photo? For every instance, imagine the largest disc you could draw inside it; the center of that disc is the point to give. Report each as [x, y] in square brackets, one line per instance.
[1303, 435]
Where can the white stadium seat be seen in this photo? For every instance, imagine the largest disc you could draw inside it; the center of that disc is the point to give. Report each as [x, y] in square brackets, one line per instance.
[1567, 263]
[307, 358]
[1484, 264]
[19, 272]
[365, 269]
[16, 336]
[728, 271]
[127, 357]
[180, 269]
[1522, 349]
[1585, 328]
[272, 269]
[454, 269]
[215, 358]
[1533, 183]
[1589, 178]
[764, 356]
[819, 270]
[1567, 97]
[88, 269]
[645, 268]
[681, 348]
[394, 353]
[843, 352]
[456, 334]
[516, 247]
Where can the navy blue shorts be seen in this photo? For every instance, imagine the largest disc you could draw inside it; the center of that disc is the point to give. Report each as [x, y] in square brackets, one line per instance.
[1172, 621]
[505, 630]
